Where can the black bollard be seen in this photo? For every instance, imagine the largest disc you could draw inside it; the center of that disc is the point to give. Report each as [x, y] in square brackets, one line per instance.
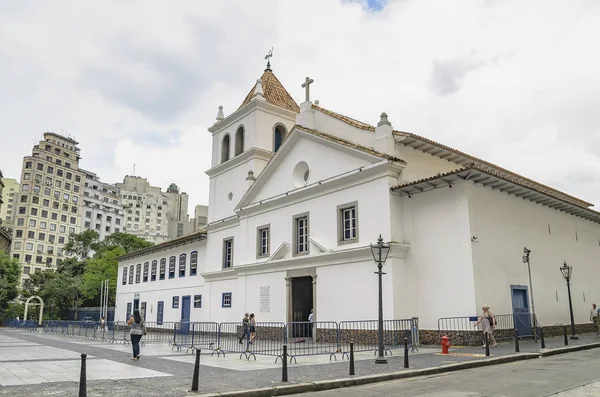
[516, 340]
[196, 378]
[405, 352]
[284, 372]
[565, 333]
[487, 344]
[82, 377]
[542, 340]
[352, 358]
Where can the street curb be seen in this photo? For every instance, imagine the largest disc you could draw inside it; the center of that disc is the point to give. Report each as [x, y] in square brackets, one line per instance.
[568, 349]
[366, 379]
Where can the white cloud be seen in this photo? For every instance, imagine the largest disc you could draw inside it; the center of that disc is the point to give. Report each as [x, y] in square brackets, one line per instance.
[512, 82]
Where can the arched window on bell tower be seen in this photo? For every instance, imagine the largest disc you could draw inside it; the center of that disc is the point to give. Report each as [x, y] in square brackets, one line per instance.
[279, 134]
[239, 140]
[225, 149]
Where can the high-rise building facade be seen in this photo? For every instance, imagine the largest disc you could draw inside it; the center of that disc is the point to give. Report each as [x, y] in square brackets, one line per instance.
[48, 204]
[5, 232]
[7, 210]
[200, 219]
[151, 214]
[102, 208]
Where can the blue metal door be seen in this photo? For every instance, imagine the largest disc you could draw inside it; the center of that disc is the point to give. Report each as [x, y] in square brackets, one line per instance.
[520, 303]
[159, 312]
[185, 315]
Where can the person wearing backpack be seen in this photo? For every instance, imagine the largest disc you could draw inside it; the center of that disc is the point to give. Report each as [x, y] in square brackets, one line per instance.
[487, 321]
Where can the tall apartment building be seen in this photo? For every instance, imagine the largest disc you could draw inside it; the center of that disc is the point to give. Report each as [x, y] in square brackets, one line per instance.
[200, 219]
[49, 203]
[102, 208]
[7, 210]
[5, 233]
[151, 214]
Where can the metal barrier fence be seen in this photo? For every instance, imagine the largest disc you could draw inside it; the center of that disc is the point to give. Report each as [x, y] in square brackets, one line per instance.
[462, 330]
[263, 338]
[364, 335]
[312, 338]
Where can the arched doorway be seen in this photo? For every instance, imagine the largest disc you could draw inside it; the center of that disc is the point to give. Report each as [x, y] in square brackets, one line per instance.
[40, 303]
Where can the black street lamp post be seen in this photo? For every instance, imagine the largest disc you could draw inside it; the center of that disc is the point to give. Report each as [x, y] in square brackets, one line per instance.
[380, 252]
[566, 271]
[526, 252]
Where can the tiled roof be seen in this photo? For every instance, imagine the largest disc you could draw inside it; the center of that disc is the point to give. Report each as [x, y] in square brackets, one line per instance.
[274, 93]
[201, 235]
[467, 173]
[468, 159]
[345, 119]
[344, 142]
[459, 157]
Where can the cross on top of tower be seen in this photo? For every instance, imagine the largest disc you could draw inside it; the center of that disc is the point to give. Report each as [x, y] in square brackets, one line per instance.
[306, 86]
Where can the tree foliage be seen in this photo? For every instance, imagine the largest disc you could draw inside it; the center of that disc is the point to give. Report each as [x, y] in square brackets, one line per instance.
[82, 244]
[77, 280]
[10, 272]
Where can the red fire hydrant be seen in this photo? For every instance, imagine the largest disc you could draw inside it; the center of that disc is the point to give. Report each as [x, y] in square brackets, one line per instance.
[445, 344]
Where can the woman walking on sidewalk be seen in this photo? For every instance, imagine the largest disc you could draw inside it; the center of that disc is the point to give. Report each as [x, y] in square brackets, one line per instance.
[487, 321]
[137, 330]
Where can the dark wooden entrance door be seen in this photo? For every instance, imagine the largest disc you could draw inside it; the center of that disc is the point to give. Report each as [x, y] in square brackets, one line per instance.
[302, 303]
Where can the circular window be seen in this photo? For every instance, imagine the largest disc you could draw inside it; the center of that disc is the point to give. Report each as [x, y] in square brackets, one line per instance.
[230, 196]
[301, 174]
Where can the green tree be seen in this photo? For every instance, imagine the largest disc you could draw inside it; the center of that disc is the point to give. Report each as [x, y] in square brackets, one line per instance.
[128, 242]
[81, 244]
[10, 272]
[98, 270]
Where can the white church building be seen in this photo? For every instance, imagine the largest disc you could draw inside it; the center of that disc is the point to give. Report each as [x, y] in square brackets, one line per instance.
[298, 194]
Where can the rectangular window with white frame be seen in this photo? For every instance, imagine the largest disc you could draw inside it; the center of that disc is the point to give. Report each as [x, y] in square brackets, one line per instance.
[301, 234]
[347, 216]
[263, 241]
[228, 253]
[175, 304]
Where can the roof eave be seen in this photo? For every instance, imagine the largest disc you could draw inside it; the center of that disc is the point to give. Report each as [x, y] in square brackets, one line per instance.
[495, 182]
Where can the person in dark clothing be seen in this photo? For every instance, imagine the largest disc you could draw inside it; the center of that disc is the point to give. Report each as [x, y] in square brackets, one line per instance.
[136, 333]
[246, 327]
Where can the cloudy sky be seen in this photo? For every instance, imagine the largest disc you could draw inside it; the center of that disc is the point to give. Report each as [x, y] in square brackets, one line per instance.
[514, 82]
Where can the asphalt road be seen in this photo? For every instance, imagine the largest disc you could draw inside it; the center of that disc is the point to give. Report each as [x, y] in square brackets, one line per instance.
[567, 375]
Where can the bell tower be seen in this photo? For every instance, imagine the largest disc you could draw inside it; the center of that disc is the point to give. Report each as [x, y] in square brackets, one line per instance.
[245, 140]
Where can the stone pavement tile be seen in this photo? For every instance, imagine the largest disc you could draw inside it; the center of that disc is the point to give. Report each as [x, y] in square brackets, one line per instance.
[27, 353]
[149, 349]
[69, 370]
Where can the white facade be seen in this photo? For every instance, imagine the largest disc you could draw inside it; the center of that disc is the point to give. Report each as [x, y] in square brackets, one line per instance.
[147, 278]
[102, 207]
[290, 226]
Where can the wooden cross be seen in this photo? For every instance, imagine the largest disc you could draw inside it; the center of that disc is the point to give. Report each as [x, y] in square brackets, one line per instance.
[306, 86]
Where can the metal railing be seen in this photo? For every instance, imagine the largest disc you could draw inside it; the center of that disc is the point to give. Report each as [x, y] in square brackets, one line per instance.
[263, 338]
[462, 330]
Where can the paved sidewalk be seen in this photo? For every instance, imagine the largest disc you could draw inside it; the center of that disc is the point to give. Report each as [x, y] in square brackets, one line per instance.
[166, 372]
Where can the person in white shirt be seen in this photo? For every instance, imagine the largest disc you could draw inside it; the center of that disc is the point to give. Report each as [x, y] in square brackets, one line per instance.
[594, 318]
[311, 320]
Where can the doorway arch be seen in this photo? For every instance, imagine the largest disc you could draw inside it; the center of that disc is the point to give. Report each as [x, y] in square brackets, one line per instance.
[40, 303]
